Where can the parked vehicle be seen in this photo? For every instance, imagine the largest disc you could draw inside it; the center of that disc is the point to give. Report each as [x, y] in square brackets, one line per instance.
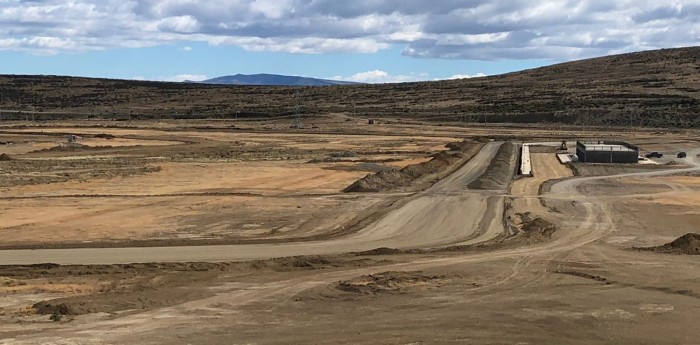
[654, 155]
[682, 155]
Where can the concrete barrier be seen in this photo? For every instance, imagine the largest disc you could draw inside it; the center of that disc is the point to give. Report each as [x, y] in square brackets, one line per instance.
[564, 158]
[525, 163]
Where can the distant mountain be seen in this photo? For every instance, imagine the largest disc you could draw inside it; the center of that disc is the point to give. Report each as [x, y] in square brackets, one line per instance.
[272, 80]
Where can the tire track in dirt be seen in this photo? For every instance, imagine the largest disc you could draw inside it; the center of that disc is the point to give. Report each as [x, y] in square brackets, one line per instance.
[270, 294]
[433, 218]
[596, 224]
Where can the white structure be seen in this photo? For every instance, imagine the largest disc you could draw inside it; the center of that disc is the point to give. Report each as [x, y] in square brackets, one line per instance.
[525, 163]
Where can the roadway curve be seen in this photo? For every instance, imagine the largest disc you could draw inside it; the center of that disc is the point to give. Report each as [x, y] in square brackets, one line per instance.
[445, 214]
[596, 223]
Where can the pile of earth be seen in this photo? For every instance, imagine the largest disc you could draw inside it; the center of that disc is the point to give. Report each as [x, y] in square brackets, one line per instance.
[391, 179]
[156, 285]
[392, 282]
[74, 147]
[4, 157]
[535, 229]
[500, 171]
[104, 136]
[687, 244]
[602, 169]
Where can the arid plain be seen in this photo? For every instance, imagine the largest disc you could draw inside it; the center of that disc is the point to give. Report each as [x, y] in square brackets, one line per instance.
[249, 232]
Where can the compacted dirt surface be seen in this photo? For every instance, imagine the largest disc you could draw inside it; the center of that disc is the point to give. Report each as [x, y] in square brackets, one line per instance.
[187, 254]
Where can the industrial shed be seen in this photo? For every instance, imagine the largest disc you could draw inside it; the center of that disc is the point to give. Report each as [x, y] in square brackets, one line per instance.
[606, 151]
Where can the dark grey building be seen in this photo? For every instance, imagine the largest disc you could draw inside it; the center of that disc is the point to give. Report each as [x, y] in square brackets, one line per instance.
[606, 151]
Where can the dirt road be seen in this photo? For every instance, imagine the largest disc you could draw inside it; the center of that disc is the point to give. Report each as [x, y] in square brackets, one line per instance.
[595, 224]
[573, 289]
[444, 214]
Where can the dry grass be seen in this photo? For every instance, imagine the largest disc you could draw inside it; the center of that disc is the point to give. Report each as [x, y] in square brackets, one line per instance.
[620, 90]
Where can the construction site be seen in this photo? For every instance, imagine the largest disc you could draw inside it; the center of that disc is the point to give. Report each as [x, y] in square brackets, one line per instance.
[227, 231]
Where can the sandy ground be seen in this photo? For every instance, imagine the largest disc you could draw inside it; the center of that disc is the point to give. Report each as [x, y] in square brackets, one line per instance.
[525, 191]
[187, 184]
[444, 214]
[583, 285]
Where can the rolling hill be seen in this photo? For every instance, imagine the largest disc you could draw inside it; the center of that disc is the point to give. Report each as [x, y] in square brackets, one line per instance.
[652, 88]
[272, 80]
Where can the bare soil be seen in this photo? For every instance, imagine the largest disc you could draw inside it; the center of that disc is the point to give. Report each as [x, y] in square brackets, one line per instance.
[687, 244]
[394, 283]
[180, 186]
[534, 229]
[499, 173]
[405, 178]
[568, 277]
[596, 169]
[139, 287]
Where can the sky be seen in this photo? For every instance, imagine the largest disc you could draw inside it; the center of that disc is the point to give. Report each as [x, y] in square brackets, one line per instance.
[370, 41]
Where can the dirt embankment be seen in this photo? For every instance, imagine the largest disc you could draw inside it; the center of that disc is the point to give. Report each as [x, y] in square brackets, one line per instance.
[23, 172]
[535, 229]
[441, 162]
[498, 174]
[598, 169]
[385, 284]
[115, 288]
[688, 244]
[393, 282]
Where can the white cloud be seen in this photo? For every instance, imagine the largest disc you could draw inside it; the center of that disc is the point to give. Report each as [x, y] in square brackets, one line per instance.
[308, 45]
[379, 77]
[187, 49]
[184, 77]
[176, 78]
[455, 29]
[466, 76]
[181, 24]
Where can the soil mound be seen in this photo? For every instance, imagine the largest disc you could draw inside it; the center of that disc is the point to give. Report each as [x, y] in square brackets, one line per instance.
[389, 251]
[535, 229]
[688, 244]
[391, 282]
[104, 136]
[47, 308]
[391, 179]
[4, 157]
[499, 172]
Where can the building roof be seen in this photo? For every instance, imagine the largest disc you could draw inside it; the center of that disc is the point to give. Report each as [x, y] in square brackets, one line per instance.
[607, 147]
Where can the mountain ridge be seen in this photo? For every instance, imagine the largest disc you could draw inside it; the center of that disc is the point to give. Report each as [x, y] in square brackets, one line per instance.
[266, 79]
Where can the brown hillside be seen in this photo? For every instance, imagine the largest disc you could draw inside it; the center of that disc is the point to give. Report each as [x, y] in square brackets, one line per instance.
[654, 88]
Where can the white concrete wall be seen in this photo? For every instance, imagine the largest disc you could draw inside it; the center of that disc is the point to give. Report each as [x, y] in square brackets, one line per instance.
[525, 163]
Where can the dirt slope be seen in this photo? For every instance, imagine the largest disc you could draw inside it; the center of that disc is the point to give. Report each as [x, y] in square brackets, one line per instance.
[686, 244]
[392, 179]
[500, 171]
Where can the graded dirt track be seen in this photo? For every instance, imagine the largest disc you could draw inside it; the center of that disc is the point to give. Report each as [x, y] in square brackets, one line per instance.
[444, 214]
[211, 187]
[524, 274]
